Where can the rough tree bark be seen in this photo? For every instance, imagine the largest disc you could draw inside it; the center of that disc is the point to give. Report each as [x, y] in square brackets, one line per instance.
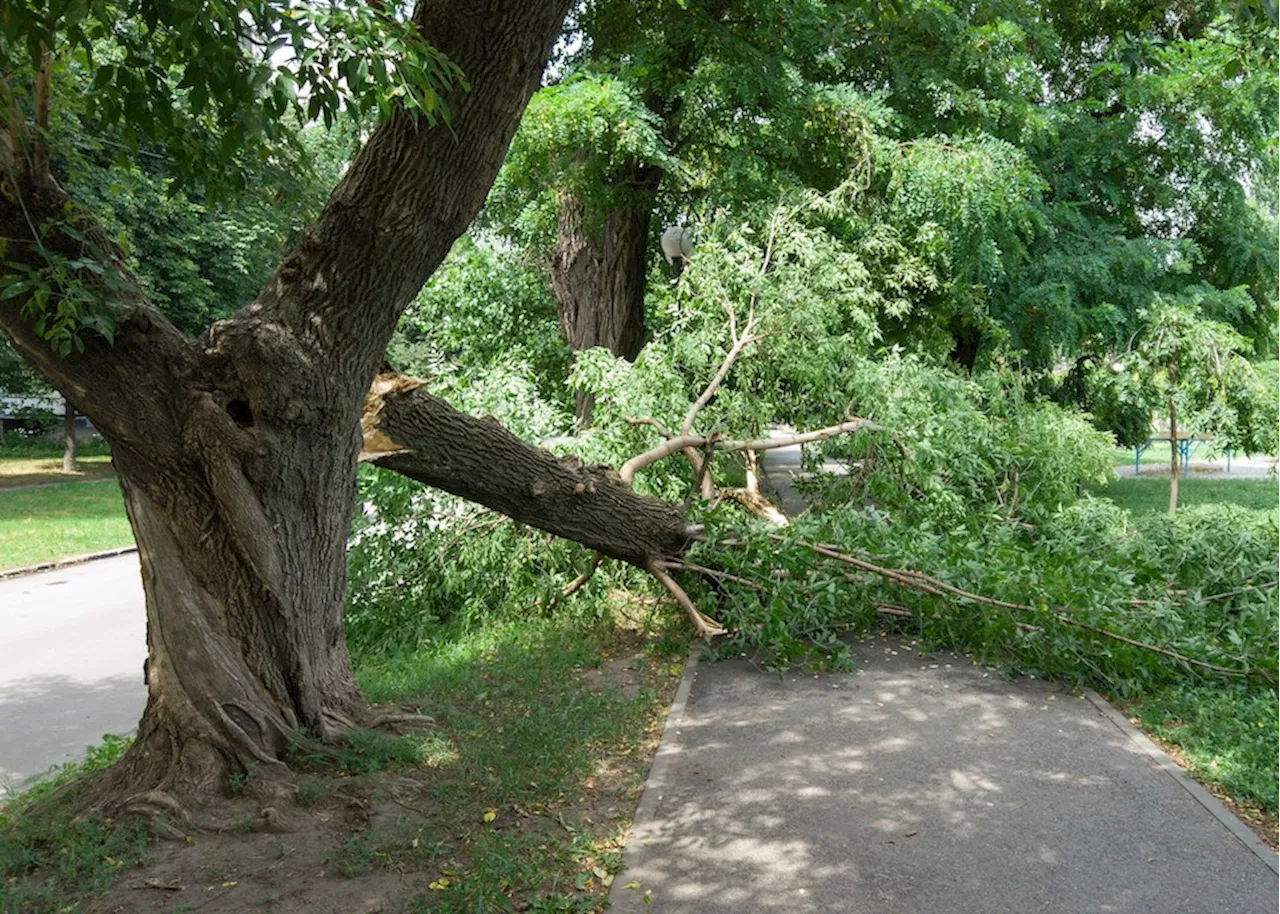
[425, 438]
[237, 451]
[597, 271]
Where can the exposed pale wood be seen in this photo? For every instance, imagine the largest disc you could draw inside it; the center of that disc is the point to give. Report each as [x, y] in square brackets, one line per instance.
[680, 442]
[706, 627]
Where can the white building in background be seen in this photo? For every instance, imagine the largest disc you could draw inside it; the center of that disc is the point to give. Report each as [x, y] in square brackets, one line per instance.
[16, 413]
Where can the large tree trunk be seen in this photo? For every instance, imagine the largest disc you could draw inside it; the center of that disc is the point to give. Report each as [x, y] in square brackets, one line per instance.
[598, 272]
[237, 452]
[244, 593]
[966, 343]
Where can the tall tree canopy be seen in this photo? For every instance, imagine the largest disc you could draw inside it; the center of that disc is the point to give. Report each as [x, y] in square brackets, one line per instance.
[1022, 177]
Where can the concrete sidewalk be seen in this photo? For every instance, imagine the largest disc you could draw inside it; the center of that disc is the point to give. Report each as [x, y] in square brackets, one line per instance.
[923, 785]
[72, 642]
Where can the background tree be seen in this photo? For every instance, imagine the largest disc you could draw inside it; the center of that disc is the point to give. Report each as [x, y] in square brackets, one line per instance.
[1033, 174]
[1195, 373]
[683, 108]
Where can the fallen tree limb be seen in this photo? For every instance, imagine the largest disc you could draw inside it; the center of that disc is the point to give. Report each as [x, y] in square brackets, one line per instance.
[421, 436]
[919, 581]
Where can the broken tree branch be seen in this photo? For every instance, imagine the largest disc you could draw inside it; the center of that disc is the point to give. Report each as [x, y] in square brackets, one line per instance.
[680, 442]
[682, 565]
[696, 462]
[740, 343]
[919, 581]
[706, 627]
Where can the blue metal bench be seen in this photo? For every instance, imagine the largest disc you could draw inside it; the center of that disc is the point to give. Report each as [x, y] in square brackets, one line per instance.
[1186, 446]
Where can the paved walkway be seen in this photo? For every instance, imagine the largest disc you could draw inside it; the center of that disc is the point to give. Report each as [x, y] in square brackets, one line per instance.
[72, 642]
[922, 785]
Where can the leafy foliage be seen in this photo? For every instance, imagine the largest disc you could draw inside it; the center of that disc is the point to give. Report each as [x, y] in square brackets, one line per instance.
[1150, 579]
[206, 82]
[575, 135]
[482, 309]
[1198, 367]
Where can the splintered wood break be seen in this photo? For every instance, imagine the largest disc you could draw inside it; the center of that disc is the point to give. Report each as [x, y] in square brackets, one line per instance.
[377, 443]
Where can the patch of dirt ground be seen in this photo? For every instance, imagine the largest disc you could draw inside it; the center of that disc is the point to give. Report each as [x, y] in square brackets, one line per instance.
[326, 863]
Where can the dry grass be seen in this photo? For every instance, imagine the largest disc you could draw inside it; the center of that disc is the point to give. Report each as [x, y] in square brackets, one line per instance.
[18, 472]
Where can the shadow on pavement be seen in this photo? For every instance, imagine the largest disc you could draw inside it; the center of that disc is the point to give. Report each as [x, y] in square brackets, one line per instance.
[920, 785]
[58, 717]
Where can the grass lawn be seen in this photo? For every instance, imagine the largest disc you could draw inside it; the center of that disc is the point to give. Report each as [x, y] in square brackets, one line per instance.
[1150, 495]
[1157, 454]
[62, 521]
[517, 799]
[21, 471]
[1225, 735]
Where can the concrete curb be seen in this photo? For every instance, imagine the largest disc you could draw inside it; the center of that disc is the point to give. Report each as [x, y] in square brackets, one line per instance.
[1211, 803]
[655, 784]
[63, 563]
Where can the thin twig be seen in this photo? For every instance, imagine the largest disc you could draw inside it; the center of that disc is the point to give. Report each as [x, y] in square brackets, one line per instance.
[1248, 587]
[576, 584]
[739, 344]
[473, 524]
[682, 565]
[40, 150]
[706, 627]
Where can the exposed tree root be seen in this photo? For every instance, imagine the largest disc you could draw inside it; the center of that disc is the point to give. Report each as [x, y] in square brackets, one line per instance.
[401, 722]
[162, 811]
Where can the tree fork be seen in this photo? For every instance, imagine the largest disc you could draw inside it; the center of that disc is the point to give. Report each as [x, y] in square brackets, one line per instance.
[237, 451]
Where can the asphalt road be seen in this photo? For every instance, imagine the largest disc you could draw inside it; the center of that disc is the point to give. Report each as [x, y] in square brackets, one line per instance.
[72, 643]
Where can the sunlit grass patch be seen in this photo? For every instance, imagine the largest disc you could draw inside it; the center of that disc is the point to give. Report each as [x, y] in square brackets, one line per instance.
[1226, 737]
[62, 521]
[1150, 495]
[546, 764]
